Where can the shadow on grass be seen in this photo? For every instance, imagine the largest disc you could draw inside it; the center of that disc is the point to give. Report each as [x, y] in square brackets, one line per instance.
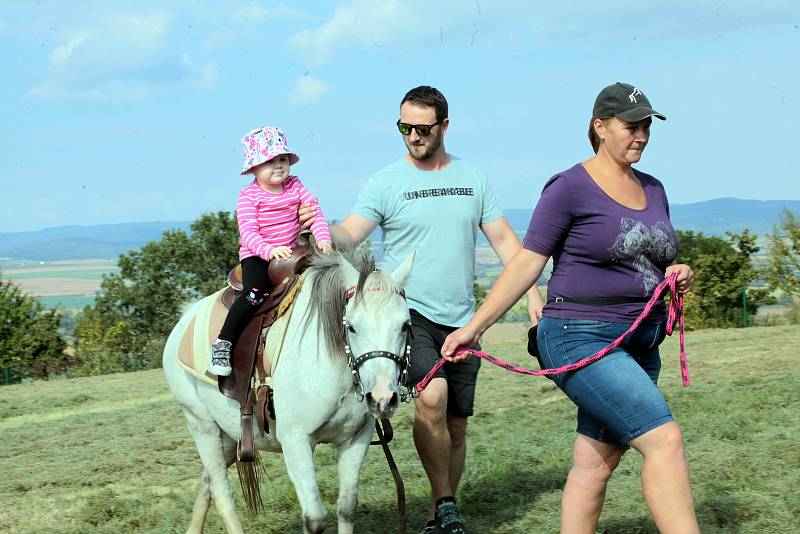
[722, 513]
[485, 502]
[383, 518]
[629, 525]
[505, 495]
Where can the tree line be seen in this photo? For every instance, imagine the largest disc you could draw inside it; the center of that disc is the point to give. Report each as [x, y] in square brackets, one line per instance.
[135, 309]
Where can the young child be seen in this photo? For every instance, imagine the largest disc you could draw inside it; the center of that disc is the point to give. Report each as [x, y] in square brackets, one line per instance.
[268, 228]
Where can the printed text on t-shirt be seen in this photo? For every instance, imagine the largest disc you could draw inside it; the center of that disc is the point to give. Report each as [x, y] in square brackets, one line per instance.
[439, 192]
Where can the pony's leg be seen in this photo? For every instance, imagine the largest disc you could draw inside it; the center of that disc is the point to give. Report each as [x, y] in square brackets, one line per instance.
[203, 500]
[200, 505]
[208, 438]
[351, 455]
[299, 458]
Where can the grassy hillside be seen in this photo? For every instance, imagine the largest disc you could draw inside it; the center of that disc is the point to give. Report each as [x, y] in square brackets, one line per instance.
[113, 454]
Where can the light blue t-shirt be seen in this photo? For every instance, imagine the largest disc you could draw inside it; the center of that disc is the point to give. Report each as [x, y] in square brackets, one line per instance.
[437, 214]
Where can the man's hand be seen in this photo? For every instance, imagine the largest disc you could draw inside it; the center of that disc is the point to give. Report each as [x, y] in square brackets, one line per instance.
[535, 313]
[535, 305]
[685, 277]
[463, 337]
[325, 247]
[306, 214]
[280, 253]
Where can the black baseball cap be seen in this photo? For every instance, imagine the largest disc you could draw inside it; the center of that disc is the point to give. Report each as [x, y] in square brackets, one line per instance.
[624, 101]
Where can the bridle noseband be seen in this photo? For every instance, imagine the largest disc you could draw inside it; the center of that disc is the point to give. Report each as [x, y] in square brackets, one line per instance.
[355, 363]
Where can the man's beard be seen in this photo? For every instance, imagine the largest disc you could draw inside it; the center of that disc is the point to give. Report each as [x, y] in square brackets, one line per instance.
[429, 149]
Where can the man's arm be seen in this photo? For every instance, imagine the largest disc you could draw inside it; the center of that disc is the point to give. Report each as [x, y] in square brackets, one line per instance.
[349, 233]
[352, 231]
[505, 244]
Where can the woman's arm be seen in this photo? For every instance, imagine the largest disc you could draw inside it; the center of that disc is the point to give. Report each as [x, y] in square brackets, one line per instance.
[518, 276]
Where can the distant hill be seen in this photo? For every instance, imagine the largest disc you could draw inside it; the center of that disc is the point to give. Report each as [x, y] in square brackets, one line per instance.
[83, 242]
[712, 217]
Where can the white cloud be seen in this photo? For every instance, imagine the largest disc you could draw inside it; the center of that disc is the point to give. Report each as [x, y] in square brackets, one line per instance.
[417, 25]
[60, 54]
[362, 22]
[121, 57]
[247, 20]
[308, 90]
[254, 13]
[203, 77]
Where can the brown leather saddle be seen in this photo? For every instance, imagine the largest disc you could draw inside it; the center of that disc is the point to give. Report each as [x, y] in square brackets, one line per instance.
[248, 353]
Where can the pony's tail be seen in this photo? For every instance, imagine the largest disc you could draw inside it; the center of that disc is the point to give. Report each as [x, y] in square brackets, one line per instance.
[250, 474]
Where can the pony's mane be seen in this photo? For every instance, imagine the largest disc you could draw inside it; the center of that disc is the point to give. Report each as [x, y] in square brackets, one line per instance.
[327, 285]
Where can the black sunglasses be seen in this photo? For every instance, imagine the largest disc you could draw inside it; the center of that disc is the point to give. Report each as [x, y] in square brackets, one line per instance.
[422, 129]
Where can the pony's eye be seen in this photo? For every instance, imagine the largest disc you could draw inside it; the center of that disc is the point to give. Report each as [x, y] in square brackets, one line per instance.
[350, 328]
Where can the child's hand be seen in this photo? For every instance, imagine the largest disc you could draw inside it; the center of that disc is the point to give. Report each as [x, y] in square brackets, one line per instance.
[280, 253]
[324, 246]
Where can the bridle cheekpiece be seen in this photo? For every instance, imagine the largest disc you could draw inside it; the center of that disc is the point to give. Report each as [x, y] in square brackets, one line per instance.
[355, 362]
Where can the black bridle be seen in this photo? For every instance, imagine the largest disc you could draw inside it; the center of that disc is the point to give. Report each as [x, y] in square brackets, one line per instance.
[355, 362]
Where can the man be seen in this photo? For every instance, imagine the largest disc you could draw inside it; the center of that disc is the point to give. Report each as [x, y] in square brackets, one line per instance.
[433, 203]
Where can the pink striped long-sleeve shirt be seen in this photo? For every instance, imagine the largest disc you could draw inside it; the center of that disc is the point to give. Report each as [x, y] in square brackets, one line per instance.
[268, 220]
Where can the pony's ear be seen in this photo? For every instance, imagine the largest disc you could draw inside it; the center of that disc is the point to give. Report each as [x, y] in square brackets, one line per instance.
[400, 275]
[349, 273]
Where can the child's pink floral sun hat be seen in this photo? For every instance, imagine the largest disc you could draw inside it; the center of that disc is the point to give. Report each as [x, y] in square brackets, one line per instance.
[263, 144]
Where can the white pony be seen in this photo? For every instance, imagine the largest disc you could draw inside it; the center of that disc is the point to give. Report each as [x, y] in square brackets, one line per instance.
[344, 316]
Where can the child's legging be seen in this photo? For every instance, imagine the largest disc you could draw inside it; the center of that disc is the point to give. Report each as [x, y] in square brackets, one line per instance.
[254, 280]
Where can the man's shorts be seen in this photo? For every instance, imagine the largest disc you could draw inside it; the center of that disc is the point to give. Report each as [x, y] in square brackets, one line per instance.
[428, 338]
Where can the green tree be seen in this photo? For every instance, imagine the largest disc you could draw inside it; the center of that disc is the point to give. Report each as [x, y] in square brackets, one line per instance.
[478, 291]
[723, 271]
[30, 346]
[693, 245]
[137, 308]
[783, 267]
[105, 345]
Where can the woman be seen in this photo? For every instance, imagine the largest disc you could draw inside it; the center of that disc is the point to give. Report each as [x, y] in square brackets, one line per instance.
[606, 225]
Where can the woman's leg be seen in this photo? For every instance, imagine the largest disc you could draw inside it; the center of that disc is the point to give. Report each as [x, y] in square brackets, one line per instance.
[665, 479]
[592, 464]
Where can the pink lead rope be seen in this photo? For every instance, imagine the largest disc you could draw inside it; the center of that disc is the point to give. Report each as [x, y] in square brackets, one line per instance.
[674, 312]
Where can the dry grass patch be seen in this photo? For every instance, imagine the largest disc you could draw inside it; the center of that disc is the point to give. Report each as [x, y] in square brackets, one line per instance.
[113, 454]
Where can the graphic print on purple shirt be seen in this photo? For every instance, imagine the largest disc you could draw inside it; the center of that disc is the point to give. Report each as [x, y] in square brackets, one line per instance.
[646, 248]
[600, 248]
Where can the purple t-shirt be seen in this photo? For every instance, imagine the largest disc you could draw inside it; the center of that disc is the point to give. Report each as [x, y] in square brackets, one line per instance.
[600, 248]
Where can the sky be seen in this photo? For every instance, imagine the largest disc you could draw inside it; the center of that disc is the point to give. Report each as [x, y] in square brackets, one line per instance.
[133, 111]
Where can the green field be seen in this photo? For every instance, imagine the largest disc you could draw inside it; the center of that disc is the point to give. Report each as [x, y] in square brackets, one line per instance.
[67, 301]
[69, 284]
[82, 274]
[112, 454]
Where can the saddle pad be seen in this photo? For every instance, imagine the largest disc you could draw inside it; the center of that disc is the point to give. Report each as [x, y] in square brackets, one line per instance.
[274, 342]
[194, 350]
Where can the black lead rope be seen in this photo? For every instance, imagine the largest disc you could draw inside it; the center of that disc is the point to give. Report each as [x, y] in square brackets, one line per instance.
[385, 434]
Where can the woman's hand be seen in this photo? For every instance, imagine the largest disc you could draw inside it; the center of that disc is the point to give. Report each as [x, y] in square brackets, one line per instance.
[685, 277]
[325, 247]
[280, 253]
[306, 214]
[463, 337]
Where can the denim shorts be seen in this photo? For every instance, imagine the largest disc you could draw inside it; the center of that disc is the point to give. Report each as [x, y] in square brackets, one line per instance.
[617, 396]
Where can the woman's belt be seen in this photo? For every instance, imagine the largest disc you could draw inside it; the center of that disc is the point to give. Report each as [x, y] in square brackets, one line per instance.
[600, 301]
